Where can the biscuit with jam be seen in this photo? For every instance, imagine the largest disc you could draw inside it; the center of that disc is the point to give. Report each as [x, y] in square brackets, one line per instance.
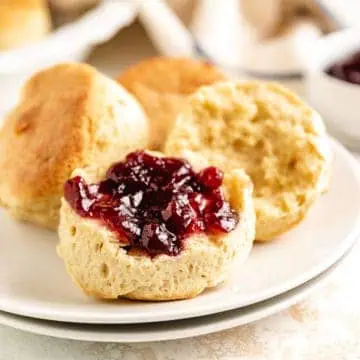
[154, 228]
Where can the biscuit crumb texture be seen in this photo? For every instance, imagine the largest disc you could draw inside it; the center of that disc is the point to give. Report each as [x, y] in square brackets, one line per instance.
[68, 116]
[96, 262]
[162, 85]
[270, 133]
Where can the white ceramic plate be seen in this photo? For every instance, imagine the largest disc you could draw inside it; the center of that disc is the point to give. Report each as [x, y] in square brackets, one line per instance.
[33, 280]
[167, 330]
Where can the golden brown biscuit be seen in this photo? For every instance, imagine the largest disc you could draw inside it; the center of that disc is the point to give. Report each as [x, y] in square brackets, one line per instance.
[22, 22]
[162, 85]
[101, 267]
[270, 133]
[68, 116]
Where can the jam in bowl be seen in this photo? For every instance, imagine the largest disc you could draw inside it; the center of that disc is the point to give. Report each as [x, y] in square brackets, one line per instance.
[346, 69]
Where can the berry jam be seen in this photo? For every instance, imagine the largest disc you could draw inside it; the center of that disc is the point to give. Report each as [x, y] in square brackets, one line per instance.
[154, 203]
[347, 69]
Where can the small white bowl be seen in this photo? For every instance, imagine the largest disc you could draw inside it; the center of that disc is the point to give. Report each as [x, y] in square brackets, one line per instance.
[336, 100]
[71, 42]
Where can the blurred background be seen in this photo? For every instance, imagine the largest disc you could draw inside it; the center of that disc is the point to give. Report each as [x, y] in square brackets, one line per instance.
[269, 39]
[261, 37]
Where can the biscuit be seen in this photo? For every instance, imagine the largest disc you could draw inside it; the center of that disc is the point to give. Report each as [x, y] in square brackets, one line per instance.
[68, 116]
[162, 85]
[270, 133]
[23, 22]
[99, 265]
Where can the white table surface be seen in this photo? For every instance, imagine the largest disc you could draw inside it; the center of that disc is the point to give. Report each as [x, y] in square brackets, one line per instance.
[324, 327]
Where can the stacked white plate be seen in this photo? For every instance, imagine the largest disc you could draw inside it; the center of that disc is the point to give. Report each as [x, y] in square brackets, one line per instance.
[37, 295]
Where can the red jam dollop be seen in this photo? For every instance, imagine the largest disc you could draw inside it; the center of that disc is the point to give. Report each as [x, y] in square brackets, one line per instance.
[154, 203]
[347, 69]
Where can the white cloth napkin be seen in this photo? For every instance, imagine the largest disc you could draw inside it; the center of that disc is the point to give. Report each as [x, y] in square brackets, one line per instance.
[230, 39]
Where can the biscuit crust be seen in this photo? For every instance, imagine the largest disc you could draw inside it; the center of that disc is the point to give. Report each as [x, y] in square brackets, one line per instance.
[68, 116]
[162, 84]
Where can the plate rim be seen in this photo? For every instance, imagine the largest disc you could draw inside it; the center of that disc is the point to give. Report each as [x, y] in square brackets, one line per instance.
[219, 322]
